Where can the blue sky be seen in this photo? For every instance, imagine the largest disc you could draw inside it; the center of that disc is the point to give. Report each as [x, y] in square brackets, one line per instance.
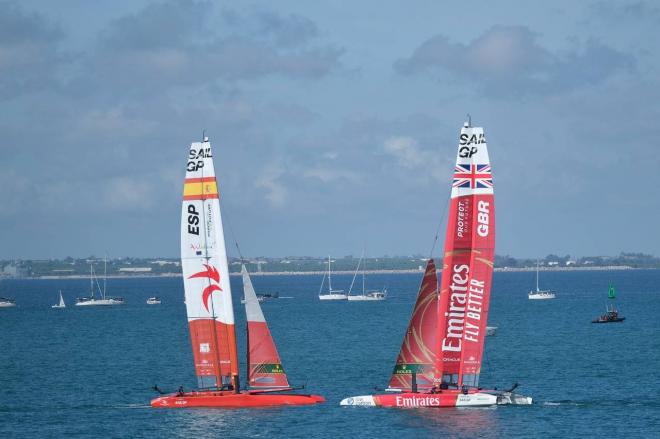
[333, 126]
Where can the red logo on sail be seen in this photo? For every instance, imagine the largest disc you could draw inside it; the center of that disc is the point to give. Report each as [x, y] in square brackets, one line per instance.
[212, 274]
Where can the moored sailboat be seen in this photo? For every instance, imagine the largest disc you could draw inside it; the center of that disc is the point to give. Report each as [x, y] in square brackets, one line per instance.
[373, 295]
[61, 303]
[103, 300]
[540, 294]
[331, 294]
[439, 362]
[210, 311]
[6, 302]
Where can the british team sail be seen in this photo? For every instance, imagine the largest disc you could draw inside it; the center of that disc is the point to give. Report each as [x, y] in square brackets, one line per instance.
[467, 266]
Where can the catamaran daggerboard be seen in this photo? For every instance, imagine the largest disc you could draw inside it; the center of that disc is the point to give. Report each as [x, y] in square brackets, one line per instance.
[440, 358]
[210, 311]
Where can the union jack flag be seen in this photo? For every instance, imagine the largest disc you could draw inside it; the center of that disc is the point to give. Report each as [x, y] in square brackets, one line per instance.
[473, 176]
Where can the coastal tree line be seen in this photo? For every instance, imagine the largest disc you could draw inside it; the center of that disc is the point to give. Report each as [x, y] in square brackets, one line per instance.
[159, 266]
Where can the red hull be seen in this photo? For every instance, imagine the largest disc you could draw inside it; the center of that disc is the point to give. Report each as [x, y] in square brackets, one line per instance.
[234, 400]
[416, 400]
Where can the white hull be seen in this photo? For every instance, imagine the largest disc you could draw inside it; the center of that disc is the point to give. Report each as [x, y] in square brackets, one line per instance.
[418, 400]
[541, 296]
[100, 302]
[58, 306]
[365, 298]
[7, 304]
[153, 301]
[333, 297]
[423, 400]
[476, 400]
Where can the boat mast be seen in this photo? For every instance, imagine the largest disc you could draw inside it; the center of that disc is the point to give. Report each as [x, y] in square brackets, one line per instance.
[91, 278]
[537, 275]
[329, 277]
[105, 274]
[364, 267]
[218, 378]
[247, 350]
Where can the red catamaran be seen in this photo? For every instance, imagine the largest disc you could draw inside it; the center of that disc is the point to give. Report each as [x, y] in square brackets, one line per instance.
[440, 358]
[210, 310]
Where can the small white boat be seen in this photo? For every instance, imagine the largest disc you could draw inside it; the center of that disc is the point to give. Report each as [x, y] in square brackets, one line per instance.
[371, 295]
[153, 300]
[7, 303]
[331, 294]
[490, 330]
[540, 294]
[365, 296]
[104, 300]
[90, 301]
[61, 303]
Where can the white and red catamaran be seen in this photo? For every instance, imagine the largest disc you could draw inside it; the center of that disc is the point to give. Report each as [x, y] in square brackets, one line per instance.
[210, 310]
[440, 358]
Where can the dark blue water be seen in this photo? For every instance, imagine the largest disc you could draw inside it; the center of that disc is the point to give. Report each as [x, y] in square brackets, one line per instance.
[88, 372]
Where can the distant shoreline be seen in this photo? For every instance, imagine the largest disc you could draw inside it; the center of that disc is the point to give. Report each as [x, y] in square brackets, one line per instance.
[321, 273]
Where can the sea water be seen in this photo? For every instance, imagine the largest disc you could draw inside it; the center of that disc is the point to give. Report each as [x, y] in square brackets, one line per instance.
[88, 372]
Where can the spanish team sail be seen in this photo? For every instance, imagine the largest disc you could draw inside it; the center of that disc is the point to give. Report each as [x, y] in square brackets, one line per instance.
[263, 362]
[206, 274]
[467, 265]
[440, 358]
[418, 350]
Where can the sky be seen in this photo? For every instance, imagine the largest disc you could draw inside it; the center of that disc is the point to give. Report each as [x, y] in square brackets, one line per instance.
[334, 126]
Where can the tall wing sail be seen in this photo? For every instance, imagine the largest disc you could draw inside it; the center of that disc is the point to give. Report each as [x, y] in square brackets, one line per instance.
[264, 364]
[418, 350]
[206, 274]
[468, 263]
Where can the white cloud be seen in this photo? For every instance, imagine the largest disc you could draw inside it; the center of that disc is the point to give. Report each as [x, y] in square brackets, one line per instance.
[274, 190]
[508, 60]
[409, 155]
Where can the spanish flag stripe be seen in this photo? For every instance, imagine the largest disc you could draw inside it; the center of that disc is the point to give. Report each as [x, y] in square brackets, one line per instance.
[200, 180]
[200, 188]
[200, 197]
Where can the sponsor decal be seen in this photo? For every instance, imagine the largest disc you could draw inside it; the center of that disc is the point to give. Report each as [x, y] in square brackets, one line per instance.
[417, 401]
[473, 176]
[204, 348]
[408, 369]
[212, 274]
[193, 220]
[199, 248]
[465, 306]
[209, 221]
[463, 218]
[269, 368]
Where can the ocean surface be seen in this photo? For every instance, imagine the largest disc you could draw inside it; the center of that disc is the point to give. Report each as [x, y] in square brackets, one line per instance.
[88, 372]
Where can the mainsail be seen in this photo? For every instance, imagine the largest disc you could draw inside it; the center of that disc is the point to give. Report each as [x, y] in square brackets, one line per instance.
[263, 362]
[206, 274]
[467, 264]
[418, 350]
